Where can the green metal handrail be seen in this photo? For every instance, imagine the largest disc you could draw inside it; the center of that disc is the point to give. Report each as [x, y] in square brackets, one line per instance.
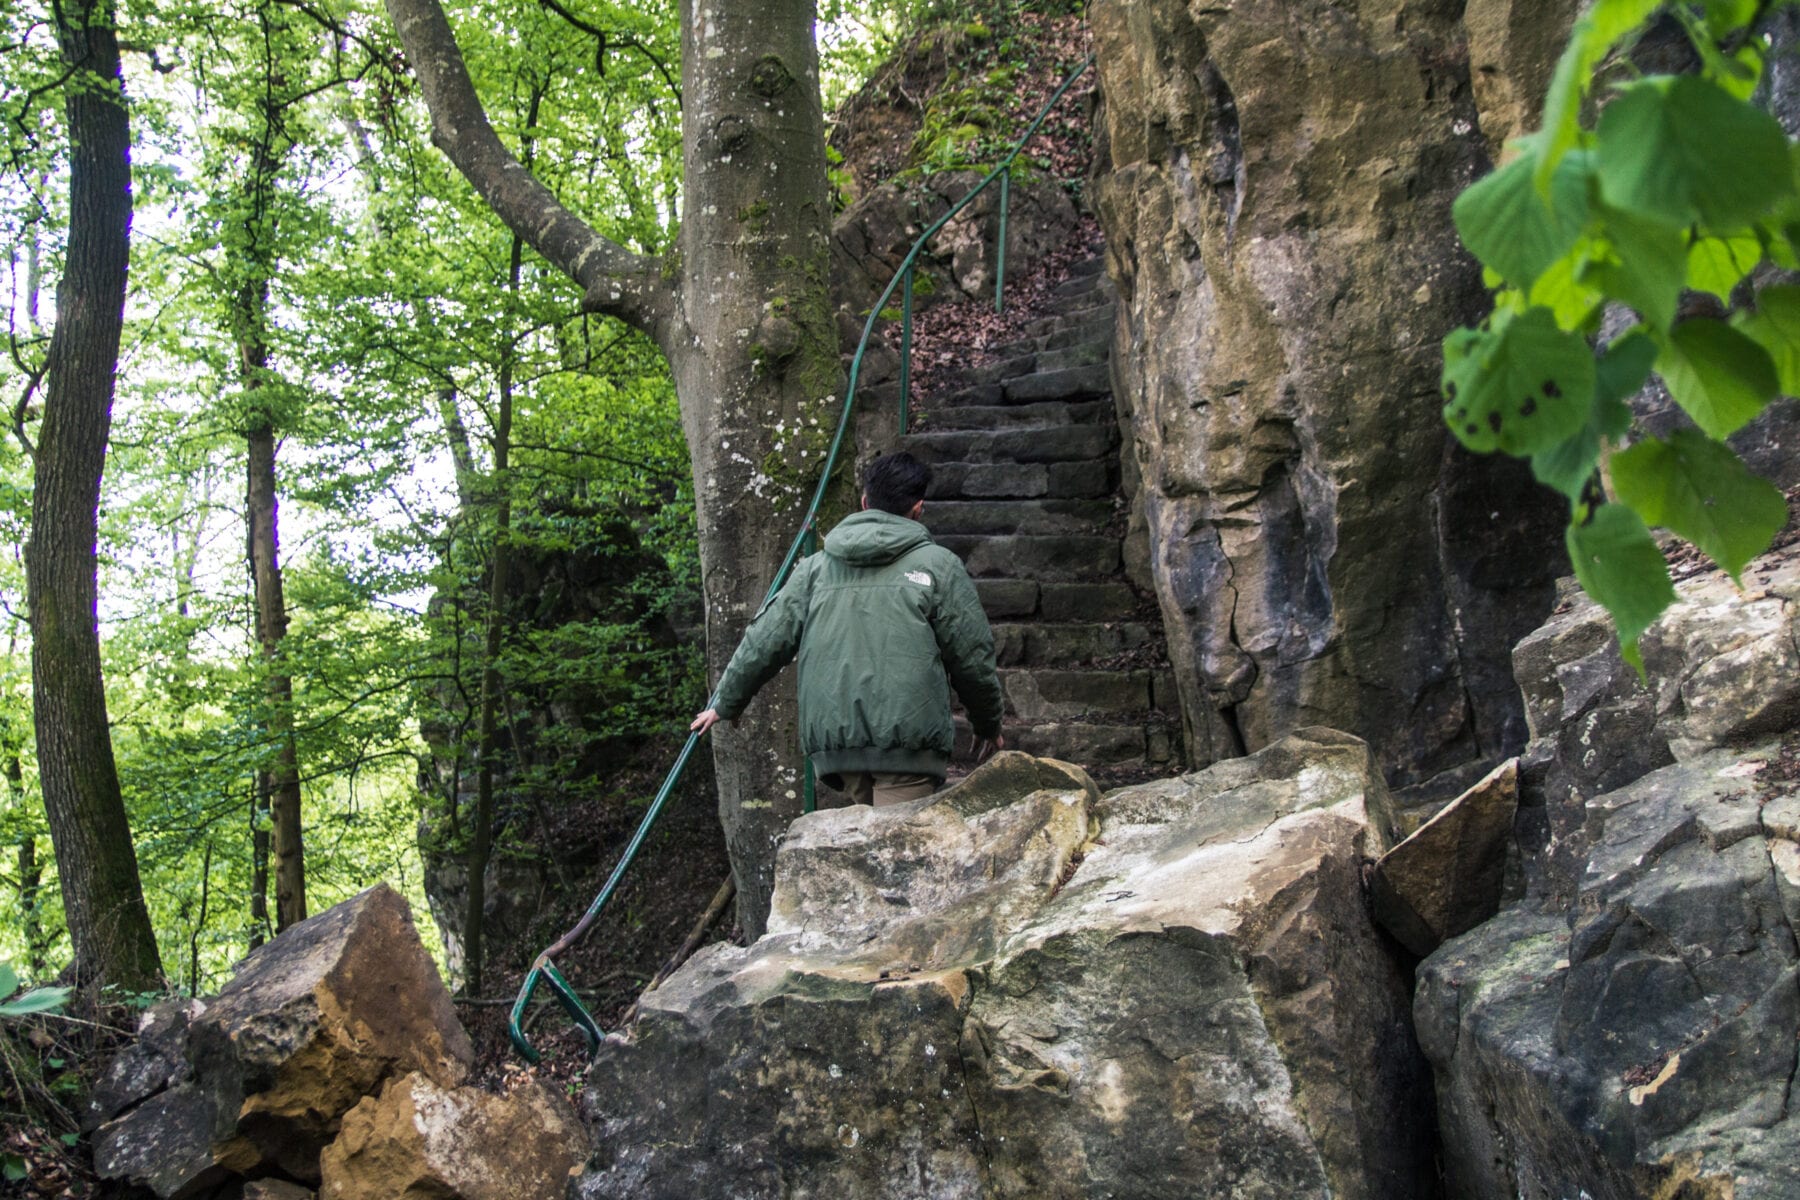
[543, 968]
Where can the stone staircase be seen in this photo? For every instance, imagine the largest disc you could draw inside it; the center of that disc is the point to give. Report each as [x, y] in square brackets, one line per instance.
[1023, 441]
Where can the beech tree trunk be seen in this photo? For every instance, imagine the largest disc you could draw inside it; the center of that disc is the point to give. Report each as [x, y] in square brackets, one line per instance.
[285, 845]
[481, 841]
[744, 319]
[103, 899]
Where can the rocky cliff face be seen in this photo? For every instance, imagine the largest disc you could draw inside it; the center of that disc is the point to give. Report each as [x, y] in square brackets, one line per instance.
[1018, 988]
[1626, 1029]
[1277, 216]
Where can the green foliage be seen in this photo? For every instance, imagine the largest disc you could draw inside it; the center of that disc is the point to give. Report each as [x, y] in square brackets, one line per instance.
[25, 1004]
[1681, 183]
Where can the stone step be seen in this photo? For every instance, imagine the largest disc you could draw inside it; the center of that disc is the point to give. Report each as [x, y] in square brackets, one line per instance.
[1046, 444]
[1059, 557]
[1023, 481]
[1006, 368]
[1154, 743]
[1093, 314]
[1018, 416]
[1082, 355]
[1095, 380]
[1017, 516]
[1058, 694]
[1088, 266]
[1018, 644]
[1060, 339]
[1057, 601]
[1081, 285]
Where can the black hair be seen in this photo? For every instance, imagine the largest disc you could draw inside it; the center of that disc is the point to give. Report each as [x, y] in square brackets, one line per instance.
[894, 483]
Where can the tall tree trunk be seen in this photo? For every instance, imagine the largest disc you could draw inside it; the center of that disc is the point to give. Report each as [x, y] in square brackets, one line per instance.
[259, 859]
[103, 899]
[756, 258]
[481, 841]
[271, 628]
[745, 321]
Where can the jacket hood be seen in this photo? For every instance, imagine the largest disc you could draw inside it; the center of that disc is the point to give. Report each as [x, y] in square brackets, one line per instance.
[874, 539]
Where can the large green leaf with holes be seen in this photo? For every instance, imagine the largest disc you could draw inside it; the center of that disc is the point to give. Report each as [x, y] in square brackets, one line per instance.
[1620, 565]
[1621, 371]
[1683, 150]
[1521, 387]
[1719, 375]
[1699, 489]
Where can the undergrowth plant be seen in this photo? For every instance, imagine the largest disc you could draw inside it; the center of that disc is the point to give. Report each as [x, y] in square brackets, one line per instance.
[1663, 209]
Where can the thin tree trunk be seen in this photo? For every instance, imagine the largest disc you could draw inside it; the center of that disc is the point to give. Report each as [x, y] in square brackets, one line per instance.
[481, 844]
[271, 628]
[31, 921]
[103, 898]
[259, 859]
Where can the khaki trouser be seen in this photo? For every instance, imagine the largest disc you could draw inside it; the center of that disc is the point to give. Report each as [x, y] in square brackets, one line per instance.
[884, 787]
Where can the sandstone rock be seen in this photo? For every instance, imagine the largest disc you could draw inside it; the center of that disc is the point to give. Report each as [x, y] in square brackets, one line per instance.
[1722, 667]
[311, 1023]
[1445, 879]
[276, 1189]
[1278, 224]
[1513, 48]
[422, 1139]
[164, 1144]
[314, 1021]
[1643, 1045]
[155, 1061]
[1017, 989]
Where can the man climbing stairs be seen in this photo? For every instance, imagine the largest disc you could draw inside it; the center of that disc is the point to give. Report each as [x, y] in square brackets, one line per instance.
[1023, 441]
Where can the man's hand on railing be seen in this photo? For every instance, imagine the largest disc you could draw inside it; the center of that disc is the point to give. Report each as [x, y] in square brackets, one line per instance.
[704, 721]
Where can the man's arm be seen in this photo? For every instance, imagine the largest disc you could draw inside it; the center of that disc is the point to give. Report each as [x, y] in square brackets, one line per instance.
[967, 646]
[769, 645]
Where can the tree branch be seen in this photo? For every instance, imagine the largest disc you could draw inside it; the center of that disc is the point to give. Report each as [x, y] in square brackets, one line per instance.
[614, 280]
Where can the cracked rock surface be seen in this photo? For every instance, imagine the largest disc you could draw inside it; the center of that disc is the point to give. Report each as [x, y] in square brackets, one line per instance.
[1019, 988]
[1629, 1028]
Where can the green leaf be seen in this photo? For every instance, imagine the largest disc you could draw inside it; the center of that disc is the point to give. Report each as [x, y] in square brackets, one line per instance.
[1621, 567]
[1591, 40]
[1568, 466]
[1699, 489]
[1718, 375]
[12, 1167]
[1645, 265]
[1775, 326]
[1564, 290]
[1509, 226]
[9, 979]
[1618, 375]
[1521, 388]
[37, 1000]
[1715, 264]
[1682, 149]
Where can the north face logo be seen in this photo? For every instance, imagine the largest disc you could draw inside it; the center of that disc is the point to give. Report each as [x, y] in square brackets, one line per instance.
[920, 578]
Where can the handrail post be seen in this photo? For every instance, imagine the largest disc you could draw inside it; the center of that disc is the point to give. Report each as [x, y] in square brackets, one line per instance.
[906, 293]
[1000, 255]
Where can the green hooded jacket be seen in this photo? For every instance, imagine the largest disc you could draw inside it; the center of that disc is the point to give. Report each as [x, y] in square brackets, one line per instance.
[884, 622]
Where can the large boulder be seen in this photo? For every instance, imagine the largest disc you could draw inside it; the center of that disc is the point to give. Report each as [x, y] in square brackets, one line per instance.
[312, 1022]
[1017, 988]
[420, 1139]
[1277, 220]
[1627, 1029]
